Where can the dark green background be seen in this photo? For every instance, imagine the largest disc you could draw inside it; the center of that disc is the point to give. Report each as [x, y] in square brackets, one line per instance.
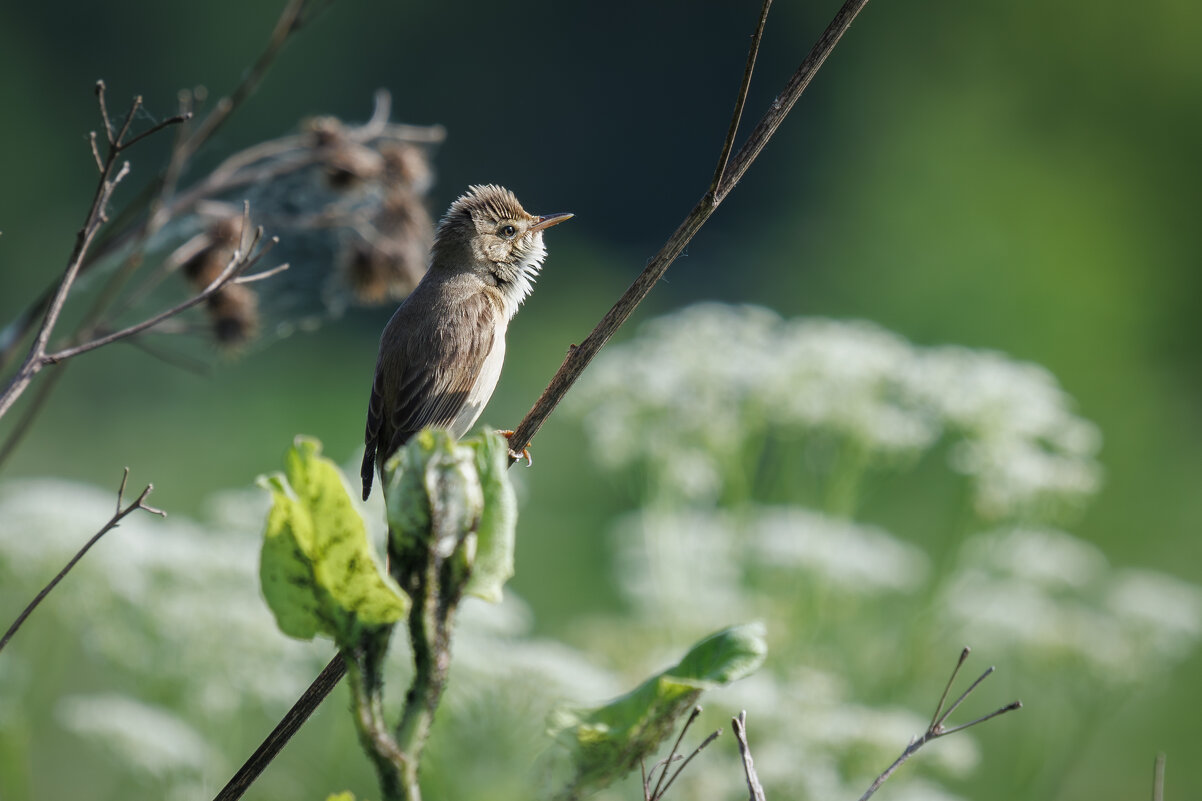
[1019, 176]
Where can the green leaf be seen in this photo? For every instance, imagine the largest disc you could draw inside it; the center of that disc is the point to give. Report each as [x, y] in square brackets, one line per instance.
[317, 569]
[498, 523]
[610, 740]
[345, 795]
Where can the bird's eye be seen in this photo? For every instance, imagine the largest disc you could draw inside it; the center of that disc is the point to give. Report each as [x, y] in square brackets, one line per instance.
[508, 231]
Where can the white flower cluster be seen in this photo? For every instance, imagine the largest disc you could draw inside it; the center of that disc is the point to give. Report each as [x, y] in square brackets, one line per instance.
[690, 569]
[176, 605]
[1057, 597]
[695, 388]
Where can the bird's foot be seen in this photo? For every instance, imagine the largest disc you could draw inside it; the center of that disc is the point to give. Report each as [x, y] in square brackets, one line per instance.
[525, 452]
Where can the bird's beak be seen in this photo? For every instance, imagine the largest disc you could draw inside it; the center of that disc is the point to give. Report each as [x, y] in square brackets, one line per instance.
[551, 219]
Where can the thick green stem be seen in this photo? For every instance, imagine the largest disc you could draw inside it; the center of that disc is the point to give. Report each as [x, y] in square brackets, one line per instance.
[393, 766]
[434, 600]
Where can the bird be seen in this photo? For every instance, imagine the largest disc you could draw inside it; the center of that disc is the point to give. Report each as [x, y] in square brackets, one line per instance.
[441, 353]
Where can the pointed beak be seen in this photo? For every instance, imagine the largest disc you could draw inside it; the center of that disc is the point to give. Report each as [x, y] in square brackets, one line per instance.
[551, 219]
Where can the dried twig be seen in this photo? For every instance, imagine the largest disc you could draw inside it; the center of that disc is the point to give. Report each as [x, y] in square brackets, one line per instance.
[294, 16]
[579, 357]
[119, 515]
[1158, 779]
[665, 781]
[110, 177]
[938, 719]
[232, 274]
[754, 788]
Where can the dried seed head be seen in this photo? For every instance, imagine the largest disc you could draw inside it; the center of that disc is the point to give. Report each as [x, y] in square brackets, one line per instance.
[391, 262]
[408, 166]
[326, 131]
[234, 315]
[216, 247]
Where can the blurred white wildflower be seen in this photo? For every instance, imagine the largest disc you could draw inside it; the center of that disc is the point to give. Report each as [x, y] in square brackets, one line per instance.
[695, 389]
[682, 568]
[494, 649]
[181, 607]
[854, 556]
[689, 568]
[1056, 596]
[147, 738]
[1028, 453]
[180, 600]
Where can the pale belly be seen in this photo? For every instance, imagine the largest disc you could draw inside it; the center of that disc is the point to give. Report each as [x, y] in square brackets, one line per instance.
[477, 399]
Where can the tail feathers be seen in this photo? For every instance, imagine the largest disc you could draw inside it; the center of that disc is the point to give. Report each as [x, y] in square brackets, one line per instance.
[368, 471]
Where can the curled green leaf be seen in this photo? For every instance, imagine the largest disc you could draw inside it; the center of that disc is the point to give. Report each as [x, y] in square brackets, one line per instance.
[317, 569]
[610, 740]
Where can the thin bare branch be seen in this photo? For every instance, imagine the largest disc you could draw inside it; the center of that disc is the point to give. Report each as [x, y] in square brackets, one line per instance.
[48, 306]
[936, 728]
[1158, 779]
[755, 790]
[1010, 707]
[104, 111]
[714, 735]
[741, 98]
[784, 102]
[114, 521]
[119, 143]
[578, 358]
[95, 151]
[154, 129]
[288, 23]
[233, 269]
[963, 695]
[261, 276]
[34, 408]
[948, 687]
[672, 754]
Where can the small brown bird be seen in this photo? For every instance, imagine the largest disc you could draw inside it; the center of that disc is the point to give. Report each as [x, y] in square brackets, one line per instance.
[441, 353]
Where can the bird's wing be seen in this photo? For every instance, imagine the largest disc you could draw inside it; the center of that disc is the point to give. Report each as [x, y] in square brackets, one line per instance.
[430, 388]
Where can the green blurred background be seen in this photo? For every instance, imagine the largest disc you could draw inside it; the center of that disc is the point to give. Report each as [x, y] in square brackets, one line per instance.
[1014, 176]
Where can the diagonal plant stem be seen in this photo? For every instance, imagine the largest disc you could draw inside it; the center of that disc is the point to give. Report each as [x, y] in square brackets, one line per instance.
[114, 521]
[579, 357]
[727, 176]
[741, 98]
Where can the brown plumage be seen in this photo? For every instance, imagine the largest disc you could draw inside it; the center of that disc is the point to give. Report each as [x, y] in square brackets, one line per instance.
[441, 353]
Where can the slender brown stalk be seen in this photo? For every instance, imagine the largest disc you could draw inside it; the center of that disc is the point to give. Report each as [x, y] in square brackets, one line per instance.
[579, 357]
[114, 521]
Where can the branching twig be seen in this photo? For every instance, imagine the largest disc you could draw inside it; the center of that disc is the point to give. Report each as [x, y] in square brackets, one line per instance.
[665, 781]
[579, 357]
[294, 16]
[754, 789]
[937, 728]
[114, 521]
[110, 177]
[232, 274]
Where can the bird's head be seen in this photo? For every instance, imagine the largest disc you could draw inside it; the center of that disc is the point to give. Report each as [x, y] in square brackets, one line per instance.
[487, 231]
